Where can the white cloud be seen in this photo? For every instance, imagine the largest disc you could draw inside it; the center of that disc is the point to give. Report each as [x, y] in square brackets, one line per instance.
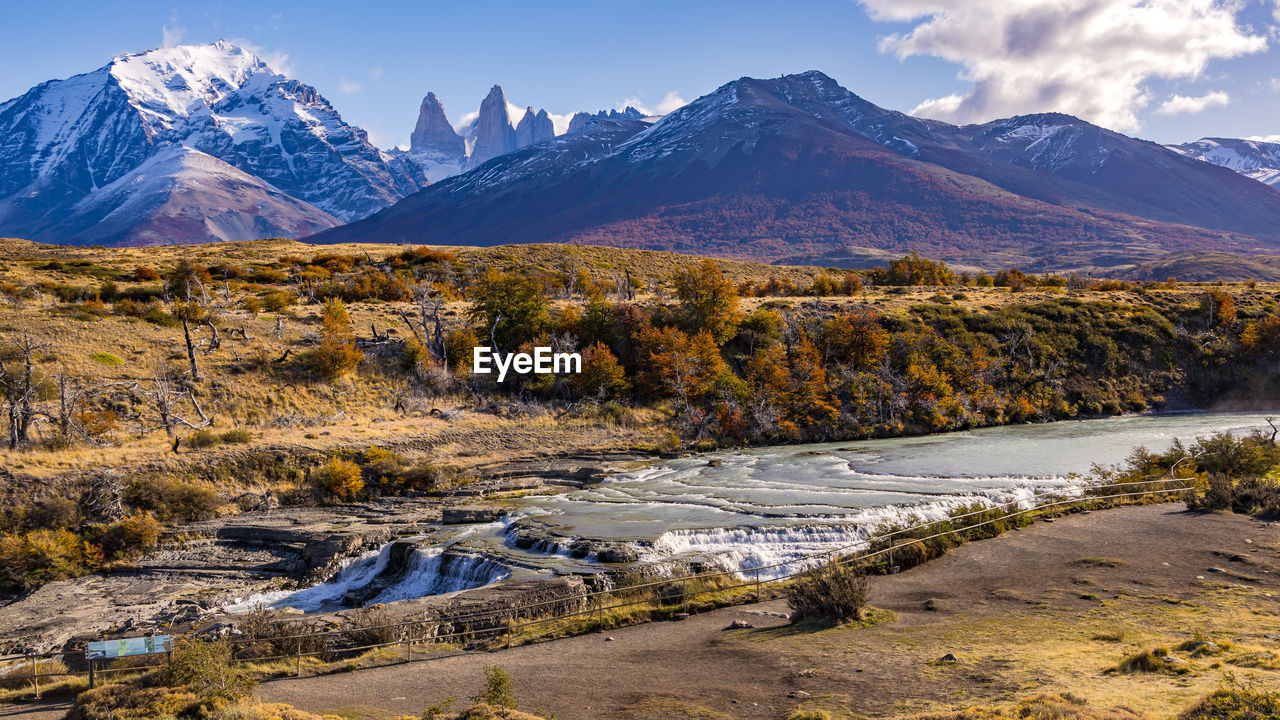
[1091, 58]
[375, 73]
[173, 32]
[275, 59]
[465, 120]
[560, 122]
[669, 103]
[349, 87]
[1274, 84]
[1264, 138]
[1183, 105]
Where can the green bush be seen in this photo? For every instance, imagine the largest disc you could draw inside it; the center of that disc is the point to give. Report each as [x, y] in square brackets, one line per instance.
[833, 591]
[208, 670]
[202, 439]
[106, 358]
[497, 689]
[238, 436]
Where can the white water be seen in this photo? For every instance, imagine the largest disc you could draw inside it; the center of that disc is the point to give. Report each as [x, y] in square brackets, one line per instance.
[772, 507]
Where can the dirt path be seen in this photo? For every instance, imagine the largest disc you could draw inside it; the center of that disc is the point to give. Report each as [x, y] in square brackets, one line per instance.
[1047, 607]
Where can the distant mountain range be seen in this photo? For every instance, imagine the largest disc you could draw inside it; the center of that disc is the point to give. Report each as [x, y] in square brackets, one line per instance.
[200, 143]
[280, 157]
[800, 169]
[497, 129]
[1257, 159]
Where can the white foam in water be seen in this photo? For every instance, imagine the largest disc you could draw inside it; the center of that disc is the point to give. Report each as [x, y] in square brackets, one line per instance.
[356, 573]
[781, 551]
[432, 572]
[776, 506]
[429, 572]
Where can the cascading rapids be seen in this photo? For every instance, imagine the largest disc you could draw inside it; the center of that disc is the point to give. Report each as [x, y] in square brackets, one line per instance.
[378, 577]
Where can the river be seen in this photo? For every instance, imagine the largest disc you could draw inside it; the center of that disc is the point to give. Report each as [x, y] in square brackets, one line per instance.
[766, 507]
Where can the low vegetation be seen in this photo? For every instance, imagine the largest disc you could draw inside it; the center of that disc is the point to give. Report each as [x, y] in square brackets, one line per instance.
[1224, 471]
[833, 591]
[224, 353]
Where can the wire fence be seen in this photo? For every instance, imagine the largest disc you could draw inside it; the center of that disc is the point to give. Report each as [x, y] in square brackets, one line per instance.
[493, 629]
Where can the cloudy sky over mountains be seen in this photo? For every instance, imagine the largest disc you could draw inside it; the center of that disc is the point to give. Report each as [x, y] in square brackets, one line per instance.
[1168, 70]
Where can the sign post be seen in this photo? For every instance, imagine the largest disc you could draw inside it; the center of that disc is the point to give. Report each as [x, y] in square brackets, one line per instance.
[124, 647]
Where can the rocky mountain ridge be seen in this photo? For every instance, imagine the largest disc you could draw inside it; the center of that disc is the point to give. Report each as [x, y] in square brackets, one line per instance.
[64, 142]
[798, 167]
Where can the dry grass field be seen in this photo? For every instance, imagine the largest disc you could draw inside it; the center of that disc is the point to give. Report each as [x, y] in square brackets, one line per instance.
[247, 388]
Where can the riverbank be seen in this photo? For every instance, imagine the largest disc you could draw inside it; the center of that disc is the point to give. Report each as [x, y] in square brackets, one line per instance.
[1048, 608]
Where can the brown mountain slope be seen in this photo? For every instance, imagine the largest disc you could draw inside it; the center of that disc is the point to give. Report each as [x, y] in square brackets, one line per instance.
[789, 167]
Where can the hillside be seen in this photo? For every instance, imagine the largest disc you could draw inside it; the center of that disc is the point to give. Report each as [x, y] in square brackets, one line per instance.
[799, 167]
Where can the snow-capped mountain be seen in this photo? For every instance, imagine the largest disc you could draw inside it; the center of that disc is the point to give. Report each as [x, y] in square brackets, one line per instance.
[499, 127]
[1256, 159]
[67, 140]
[180, 192]
[799, 167]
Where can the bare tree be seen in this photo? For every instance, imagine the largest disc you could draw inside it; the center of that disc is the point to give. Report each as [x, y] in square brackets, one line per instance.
[165, 396]
[20, 389]
[430, 302]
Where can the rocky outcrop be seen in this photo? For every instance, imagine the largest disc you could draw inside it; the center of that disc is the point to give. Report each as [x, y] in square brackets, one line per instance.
[466, 515]
[534, 128]
[433, 134]
[217, 561]
[494, 134]
[580, 120]
[480, 612]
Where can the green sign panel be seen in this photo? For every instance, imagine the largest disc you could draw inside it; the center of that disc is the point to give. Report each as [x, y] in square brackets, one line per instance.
[125, 647]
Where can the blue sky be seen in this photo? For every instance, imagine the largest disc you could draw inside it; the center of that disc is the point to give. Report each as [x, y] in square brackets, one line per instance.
[1167, 70]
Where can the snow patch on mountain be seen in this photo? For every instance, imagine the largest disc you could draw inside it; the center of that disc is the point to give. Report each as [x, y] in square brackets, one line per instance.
[1256, 159]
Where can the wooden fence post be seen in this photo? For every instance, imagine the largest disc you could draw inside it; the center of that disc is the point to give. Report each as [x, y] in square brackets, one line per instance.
[757, 585]
[35, 676]
[93, 665]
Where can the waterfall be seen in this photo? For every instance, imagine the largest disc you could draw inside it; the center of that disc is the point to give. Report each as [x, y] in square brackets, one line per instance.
[436, 571]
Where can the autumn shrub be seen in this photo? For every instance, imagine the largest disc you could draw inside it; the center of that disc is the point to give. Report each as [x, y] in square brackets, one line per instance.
[202, 438]
[1235, 703]
[602, 375]
[833, 591]
[338, 478]
[337, 354]
[125, 701]
[270, 636]
[372, 626]
[145, 274]
[130, 536]
[278, 301]
[170, 499]
[30, 559]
